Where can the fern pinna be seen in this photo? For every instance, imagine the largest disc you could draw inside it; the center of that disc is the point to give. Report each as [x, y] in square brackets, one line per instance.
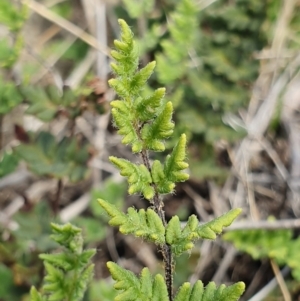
[145, 122]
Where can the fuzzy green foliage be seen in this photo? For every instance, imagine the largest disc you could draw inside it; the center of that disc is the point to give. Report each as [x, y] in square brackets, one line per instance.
[140, 179]
[142, 223]
[148, 225]
[149, 288]
[165, 176]
[142, 128]
[173, 62]
[145, 122]
[69, 272]
[278, 245]
[209, 293]
[145, 288]
[207, 57]
[182, 239]
[45, 156]
[137, 8]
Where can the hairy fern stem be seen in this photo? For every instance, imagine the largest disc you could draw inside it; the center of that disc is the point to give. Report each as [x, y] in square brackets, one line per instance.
[165, 249]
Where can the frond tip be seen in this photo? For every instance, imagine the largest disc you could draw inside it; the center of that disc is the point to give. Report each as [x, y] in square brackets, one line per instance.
[166, 176]
[139, 177]
[67, 273]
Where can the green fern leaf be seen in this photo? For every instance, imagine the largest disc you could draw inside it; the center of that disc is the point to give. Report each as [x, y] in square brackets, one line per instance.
[54, 280]
[165, 177]
[124, 120]
[140, 78]
[197, 291]
[159, 178]
[80, 286]
[210, 229]
[146, 283]
[126, 53]
[145, 224]
[139, 177]
[69, 236]
[175, 162]
[146, 288]
[230, 293]
[210, 292]
[161, 128]
[146, 108]
[184, 292]
[159, 291]
[181, 240]
[35, 295]
[67, 273]
[173, 63]
[60, 260]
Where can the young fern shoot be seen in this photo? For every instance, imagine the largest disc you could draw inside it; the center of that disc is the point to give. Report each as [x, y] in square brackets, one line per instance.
[67, 273]
[144, 123]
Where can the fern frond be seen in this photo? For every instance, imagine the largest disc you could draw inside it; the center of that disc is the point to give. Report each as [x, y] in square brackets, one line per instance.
[67, 273]
[209, 293]
[182, 240]
[125, 54]
[210, 229]
[175, 162]
[147, 288]
[173, 62]
[139, 177]
[129, 82]
[147, 108]
[124, 120]
[55, 283]
[61, 260]
[68, 236]
[138, 81]
[145, 224]
[161, 128]
[35, 295]
[165, 176]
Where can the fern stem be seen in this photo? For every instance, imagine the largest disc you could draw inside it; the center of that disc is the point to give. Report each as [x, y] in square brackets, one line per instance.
[165, 249]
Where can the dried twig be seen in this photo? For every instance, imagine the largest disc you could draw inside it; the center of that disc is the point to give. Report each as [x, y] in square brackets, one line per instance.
[266, 225]
[265, 291]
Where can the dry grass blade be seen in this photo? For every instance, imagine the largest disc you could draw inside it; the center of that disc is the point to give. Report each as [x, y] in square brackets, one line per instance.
[65, 24]
[280, 280]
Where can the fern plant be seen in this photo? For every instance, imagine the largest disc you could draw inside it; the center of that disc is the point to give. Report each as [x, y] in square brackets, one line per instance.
[144, 123]
[277, 245]
[69, 272]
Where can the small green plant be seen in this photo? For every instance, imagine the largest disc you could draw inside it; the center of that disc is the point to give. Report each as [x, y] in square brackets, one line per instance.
[68, 272]
[145, 122]
[277, 245]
